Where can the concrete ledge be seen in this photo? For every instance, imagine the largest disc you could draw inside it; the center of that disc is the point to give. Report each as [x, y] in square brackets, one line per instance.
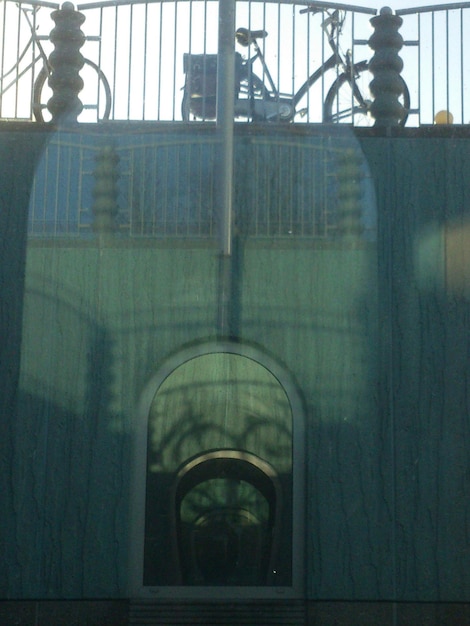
[337, 613]
[321, 613]
[64, 612]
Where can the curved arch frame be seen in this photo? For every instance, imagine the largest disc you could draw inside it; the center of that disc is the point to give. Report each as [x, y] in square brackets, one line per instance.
[137, 535]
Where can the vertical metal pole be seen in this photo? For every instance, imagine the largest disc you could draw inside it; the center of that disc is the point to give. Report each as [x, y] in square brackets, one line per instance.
[225, 115]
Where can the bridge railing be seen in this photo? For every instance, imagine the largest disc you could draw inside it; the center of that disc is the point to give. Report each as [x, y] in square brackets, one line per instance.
[134, 51]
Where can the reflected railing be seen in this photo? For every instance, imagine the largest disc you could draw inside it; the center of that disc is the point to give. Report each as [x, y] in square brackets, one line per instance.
[164, 185]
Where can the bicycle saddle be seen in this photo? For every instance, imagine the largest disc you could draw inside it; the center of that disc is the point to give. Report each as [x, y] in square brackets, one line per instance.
[245, 37]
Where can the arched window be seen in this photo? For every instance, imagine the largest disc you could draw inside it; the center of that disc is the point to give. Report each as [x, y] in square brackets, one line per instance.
[219, 497]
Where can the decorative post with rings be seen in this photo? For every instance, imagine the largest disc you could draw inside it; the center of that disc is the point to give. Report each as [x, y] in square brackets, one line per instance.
[65, 62]
[105, 192]
[386, 65]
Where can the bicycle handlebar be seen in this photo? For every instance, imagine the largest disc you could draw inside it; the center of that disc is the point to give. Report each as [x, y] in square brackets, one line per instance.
[311, 9]
[319, 5]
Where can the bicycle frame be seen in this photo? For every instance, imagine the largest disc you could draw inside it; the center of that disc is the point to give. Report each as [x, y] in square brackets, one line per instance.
[34, 41]
[258, 99]
[287, 108]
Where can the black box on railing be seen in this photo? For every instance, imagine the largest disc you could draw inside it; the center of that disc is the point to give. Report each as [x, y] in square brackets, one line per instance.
[201, 83]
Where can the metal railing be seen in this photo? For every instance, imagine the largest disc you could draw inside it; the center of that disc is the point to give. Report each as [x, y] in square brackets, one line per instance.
[436, 60]
[139, 47]
[134, 52]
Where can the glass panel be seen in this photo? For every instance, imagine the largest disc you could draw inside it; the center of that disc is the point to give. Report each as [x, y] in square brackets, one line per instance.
[225, 533]
[222, 527]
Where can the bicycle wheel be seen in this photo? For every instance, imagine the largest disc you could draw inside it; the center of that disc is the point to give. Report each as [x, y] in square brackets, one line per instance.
[345, 104]
[95, 95]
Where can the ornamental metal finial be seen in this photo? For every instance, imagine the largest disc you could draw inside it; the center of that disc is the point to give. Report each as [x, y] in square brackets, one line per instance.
[66, 61]
[386, 65]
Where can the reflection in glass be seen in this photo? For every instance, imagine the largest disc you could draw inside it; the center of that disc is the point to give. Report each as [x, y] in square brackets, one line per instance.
[219, 457]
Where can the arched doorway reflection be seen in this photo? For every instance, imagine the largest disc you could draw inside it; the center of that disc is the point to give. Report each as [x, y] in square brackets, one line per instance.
[222, 504]
[227, 506]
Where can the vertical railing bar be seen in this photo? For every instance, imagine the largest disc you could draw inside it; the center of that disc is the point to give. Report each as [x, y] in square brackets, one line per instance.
[190, 22]
[158, 197]
[71, 220]
[115, 59]
[447, 62]
[280, 34]
[197, 207]
[291, 199]
[301, 198]
[100, 50]
[294, 24]
[138, 158]
[80, 189]
[160, 48]
[2, 66]
[203, 216]
[353, 15]
[419, 68]
[200, 227]
[276, 216]
[67, 211]
[129, 68]
[18, 47]
[144, 69]
[190, 42]
[146, 223]
[132, 207]
[323, 78]
[33, 56]
[299, 221]
[211, 217]
[185, 158]
[205, 66]
[158, 192]
[190, 202]
[176, 197]
[249, 47]
[132, 164]
[309, 55]
[462, 80]
[32, 207]
[150, 190]
[261, 203]
[433, 58]
[138, 199]
[175, 47]
[204, 211]
[279, 196]
[57, 185]
[44, 190]
[263, 42]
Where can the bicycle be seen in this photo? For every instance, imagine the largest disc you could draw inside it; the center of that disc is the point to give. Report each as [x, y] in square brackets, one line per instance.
[260, 100]
[96, 82]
